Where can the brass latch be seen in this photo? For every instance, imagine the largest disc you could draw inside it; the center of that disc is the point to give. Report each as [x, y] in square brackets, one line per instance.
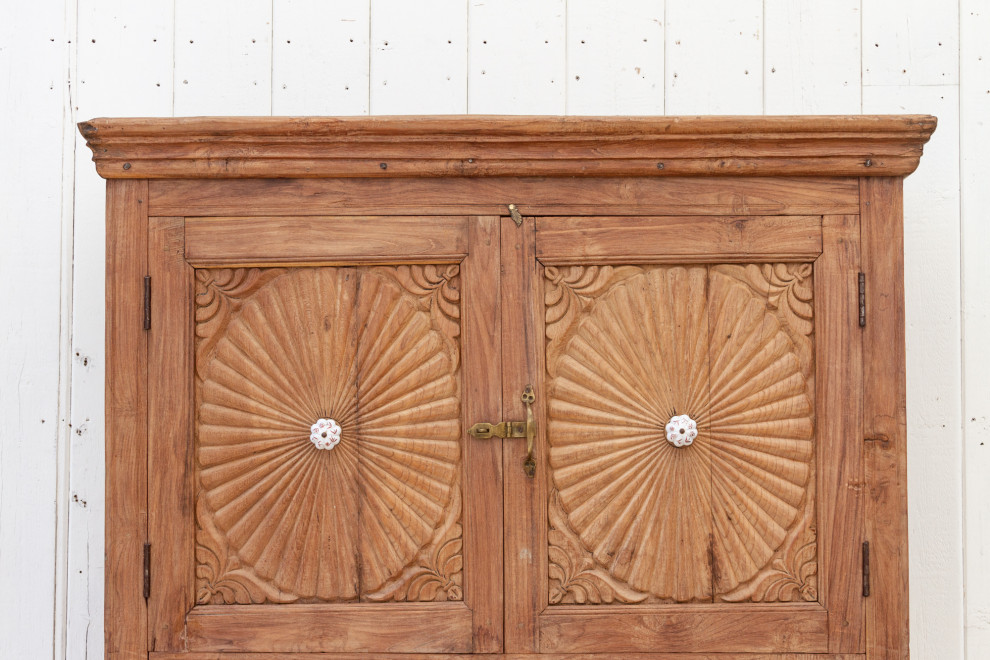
[525, 429]
[516, 215]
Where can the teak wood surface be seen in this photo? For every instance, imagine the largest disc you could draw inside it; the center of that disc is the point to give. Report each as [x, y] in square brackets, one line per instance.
[633, 243]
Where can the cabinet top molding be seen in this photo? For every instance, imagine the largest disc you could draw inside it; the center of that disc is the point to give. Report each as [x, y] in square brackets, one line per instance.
[483, 146]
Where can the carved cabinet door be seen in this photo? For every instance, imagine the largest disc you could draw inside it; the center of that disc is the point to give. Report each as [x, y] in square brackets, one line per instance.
[311, 486]
[699, 466]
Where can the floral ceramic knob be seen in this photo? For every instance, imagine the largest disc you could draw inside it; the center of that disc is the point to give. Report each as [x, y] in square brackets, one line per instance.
[325, 433]
[681, 430]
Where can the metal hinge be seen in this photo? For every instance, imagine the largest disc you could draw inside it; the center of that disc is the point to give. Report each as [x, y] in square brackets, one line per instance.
[516, 215]
[147, 570]
[866, 568]
[147, 302]
[862, 300]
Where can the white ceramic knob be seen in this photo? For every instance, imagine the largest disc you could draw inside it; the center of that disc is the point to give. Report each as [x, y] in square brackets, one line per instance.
[325, 433]
[681, 430]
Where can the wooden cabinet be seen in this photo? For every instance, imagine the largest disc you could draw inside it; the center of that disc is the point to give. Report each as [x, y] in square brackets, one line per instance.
[692, 330]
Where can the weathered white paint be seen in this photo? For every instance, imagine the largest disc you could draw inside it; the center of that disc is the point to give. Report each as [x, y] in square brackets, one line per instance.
[615, 57]
[418, 57]
[65, 60]
[223, 57]
[123, 67]
[516, 57]
[811, 60]
[931, 265]
[975, 167]
[910, 64]
[320, 57]
[714, 57]
[910, 42]
[34, 58]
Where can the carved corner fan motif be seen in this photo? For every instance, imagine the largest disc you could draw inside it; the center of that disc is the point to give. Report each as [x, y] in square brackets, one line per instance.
[634, 518]
[374, 350]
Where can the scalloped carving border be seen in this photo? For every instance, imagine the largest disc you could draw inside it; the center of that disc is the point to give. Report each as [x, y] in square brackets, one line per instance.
[575, 577]
[436, 572]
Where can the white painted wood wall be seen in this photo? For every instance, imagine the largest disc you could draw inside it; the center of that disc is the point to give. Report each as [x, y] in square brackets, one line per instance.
[62, 61]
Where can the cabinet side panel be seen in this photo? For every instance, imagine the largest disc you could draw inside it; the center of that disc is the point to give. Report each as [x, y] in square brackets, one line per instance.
[126, 410]
[884, 418]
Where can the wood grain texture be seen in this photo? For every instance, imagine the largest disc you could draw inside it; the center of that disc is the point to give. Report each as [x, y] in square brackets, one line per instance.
[724, 239]
[885, 419]
[589, 196]
[125, 612]
[763, 419]
[483, 510]
[765, 521]
[170, 500]
[618, 365]
[775, 629]
[510, 656]
[840, 424]
[270, 147]
[325, 628]
[524, 498]
[232, 240]
[374, 357]
[628, 348]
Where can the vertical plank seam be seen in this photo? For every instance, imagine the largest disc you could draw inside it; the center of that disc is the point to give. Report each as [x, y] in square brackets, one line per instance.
[763, 57]
[567, 59]
[862, 45]
[172, 69]
[963, 399]
[467, 87]
[175, 22]
[271, 59]
[371, 47]
[963, 408]
[63, 437]
[666, 56]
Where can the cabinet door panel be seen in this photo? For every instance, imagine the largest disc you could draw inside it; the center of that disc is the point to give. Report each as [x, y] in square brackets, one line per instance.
[696, 438]
[308, 457]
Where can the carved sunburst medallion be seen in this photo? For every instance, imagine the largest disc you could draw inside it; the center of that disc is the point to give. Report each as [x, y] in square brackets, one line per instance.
[283, 519]
[637, 354]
